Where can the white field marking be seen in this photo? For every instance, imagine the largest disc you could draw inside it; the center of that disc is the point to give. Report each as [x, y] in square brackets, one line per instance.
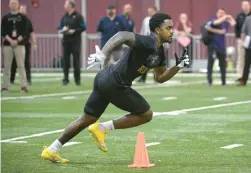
[174, 113]
[152, 143]
[47, 80]
[153, 82]
[47, 115]
[71, 143]
[68, 98]
[169, 98]
[32, 136]
[154, 114]
[19, 142]
[170, 84]
[167, 84]
[219, 98]
[16, 142]
[232, 146]
[202, 108]
[46, 95]
[150, 74]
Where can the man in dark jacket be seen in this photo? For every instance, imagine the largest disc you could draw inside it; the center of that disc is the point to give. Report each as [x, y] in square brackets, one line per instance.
[246, 37]
[30, 34]
[218, 25]
[71, 26]
[14, 31]
[246, 11]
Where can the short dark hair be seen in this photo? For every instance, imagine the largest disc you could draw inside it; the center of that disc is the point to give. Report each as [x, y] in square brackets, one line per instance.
[157, 19]
[111, 6]
[222, 9]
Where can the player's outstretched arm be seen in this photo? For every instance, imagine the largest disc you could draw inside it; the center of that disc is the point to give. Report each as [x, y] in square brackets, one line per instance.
[118, 39]
[162, 74]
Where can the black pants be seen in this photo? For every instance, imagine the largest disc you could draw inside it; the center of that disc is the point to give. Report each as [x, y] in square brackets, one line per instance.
[26, 65]
[71, 47]
[107, 90]
[221, 55]
[190, 53]
[247, 65]
[143, 77]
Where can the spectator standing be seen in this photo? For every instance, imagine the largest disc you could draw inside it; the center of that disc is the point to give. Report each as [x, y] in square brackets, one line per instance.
[246, 11]
[183, 30]
[14, 30]
[246, 37]
[145, 30]
[126, 18]
[218, 25]
[71, 26]
[30, 34]
[109, 25]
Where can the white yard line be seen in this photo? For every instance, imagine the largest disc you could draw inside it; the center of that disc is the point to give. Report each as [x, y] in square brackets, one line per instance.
[46, 80]
[219, 98]
[32, 136]
[200, 108]
[46, 95]
[150, 74]
[167, 84]
[152, 143]
[169, 98]
[19, 142]
[68, 97]
[71, 143]
[170, 84]
[155, 114]
[232, 146]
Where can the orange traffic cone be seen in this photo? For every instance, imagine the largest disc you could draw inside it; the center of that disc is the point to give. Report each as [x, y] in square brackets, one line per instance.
[141, 159]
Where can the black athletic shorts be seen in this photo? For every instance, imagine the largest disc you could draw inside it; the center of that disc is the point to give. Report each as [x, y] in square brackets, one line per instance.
[106, 90]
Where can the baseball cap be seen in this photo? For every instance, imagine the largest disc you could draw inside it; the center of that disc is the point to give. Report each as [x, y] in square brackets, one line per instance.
[111, 6]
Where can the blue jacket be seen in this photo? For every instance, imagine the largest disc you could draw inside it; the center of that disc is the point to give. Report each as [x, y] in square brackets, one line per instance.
[109, 28]
[128, 22]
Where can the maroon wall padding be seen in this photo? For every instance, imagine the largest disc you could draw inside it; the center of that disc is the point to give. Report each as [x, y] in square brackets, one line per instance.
[139, 11]
[47, 16]
[96, 9]
[95, 13]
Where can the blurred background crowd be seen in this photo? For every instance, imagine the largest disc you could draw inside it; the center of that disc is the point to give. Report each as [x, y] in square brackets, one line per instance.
[44, 35]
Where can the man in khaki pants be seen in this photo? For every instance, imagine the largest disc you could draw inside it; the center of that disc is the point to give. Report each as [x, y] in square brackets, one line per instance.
[246, 11]
[14, 30]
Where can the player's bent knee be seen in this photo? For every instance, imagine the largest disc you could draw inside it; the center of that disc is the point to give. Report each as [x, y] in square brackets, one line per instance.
[148, 115]
[86, 120]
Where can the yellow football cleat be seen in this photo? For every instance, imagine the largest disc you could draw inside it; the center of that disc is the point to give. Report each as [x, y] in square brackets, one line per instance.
[98, 135]
[53, 157]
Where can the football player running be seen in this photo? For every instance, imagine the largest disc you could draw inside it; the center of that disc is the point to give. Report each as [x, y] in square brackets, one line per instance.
[113, 84]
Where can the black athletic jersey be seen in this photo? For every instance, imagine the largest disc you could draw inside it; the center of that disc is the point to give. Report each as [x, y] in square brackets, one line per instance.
[136, 61]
